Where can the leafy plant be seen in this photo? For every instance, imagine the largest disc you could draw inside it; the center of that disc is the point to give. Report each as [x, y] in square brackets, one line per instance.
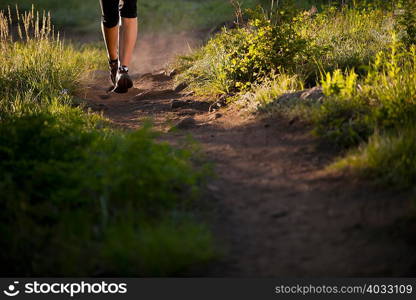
[235, 59]
[406, 16]
[77, 197]
[336, 84]
[68, 189]
[387, 158]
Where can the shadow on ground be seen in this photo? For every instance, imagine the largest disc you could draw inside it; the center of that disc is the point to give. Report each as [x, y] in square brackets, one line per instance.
[273, 207]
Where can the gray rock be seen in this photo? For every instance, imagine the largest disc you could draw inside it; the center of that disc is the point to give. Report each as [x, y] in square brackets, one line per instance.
[186, 123]
[314, 95]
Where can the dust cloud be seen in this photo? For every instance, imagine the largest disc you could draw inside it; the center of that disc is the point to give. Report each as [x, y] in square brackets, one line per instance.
[155, 50]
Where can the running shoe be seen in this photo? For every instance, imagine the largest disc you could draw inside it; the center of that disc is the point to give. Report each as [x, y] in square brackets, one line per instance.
[123, 81]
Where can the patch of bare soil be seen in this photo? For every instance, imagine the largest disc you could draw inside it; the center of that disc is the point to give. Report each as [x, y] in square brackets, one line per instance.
[275, 211]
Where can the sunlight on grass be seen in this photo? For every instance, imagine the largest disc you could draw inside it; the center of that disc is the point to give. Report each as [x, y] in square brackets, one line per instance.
[388, 158]
[73, 189]
[361, 56]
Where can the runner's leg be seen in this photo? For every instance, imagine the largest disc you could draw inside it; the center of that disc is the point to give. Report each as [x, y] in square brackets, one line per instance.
[110, 26]
[128, 32]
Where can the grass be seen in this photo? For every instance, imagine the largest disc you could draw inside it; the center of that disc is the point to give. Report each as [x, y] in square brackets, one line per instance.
[291, 42]
[180, 15]
[361, 56]
[75, 15]
[263, 96]
[156, 15]
[78, 197]
[349, 38]
[237, 59]
[388, 158]
[388, 94]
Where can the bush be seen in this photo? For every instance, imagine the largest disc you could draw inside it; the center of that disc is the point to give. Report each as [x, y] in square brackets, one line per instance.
[388, 158]
[235, 59]
[39, 68]
[342, 122]
[406, 21]
[349, 38]
[288, 41]
[383, 99]
[382, 102]
[264, 97]
[67, 189]
[263, 48]
[79, 198]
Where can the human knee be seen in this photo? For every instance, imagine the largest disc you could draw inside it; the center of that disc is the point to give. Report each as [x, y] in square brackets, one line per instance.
[111, 19]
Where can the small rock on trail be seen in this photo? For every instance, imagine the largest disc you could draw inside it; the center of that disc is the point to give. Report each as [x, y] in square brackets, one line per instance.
[186, 123]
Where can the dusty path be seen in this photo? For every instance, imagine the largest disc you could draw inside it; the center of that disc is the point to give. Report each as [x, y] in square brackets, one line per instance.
[275, 211]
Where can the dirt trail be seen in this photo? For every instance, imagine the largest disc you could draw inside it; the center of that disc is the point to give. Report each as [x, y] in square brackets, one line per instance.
[276, 212]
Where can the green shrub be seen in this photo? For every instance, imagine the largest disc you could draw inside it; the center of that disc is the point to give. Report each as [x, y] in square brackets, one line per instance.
[78, 198]
[263, 97]
[66, 187]
[383, 99]
[169, 247]
[288, 41]
[406, 16]
[342, 122]
[336, 84]
[382, 102]
[39, 67]
[236, 59]
[343, 117]
[262, 48]
[349, 38]
[388, 158]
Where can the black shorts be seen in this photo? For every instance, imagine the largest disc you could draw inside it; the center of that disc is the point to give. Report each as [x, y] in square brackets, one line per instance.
[113, 9]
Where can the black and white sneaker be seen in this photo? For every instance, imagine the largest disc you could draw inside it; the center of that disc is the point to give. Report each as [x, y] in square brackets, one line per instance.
[123, 81]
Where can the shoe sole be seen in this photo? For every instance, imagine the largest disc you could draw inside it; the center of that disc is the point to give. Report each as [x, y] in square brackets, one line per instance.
[124, 83]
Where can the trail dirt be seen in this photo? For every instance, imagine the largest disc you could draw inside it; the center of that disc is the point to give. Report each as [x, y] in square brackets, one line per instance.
[275, 210]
